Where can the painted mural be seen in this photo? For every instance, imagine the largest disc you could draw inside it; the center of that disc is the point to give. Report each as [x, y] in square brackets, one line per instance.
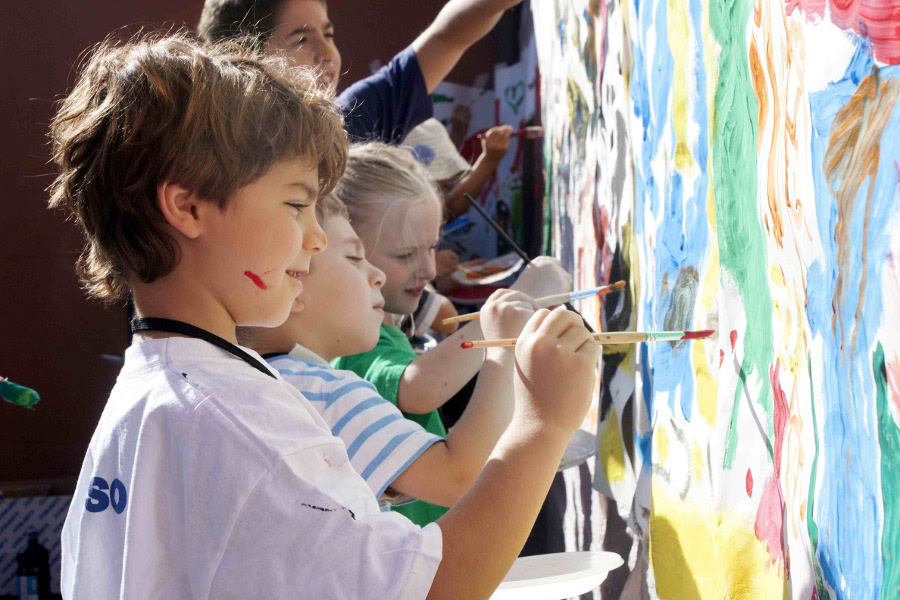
[738, 163]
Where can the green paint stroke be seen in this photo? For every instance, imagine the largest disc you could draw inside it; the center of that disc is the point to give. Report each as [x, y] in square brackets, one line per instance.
[889, 441]
[811, 498]
[742, 245]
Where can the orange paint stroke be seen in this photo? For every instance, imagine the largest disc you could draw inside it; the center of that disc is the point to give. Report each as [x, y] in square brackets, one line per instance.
[854, 151]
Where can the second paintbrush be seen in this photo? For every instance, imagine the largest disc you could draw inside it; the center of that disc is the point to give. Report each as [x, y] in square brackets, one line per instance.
[611, 337]
[548, 301]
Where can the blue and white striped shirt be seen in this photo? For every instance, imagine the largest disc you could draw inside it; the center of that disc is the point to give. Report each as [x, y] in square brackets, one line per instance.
[380, 442]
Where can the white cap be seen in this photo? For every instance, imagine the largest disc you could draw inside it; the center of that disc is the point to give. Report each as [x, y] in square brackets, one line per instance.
[431, 145]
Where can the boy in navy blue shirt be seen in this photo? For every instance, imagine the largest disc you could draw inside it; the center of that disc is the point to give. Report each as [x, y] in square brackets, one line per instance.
[390, 103]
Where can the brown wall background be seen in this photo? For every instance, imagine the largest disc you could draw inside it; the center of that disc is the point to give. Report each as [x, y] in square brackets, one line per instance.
[51, 337]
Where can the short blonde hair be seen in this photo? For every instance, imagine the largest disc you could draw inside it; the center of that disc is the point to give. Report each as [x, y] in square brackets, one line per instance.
[378, 176]
[167, 108]
[328, 206]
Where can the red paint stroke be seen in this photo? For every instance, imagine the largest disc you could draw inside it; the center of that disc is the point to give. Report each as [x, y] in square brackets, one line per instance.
[466, 345]
[256, 279]
[721, 358]
[770, 519]
[733, 337]
[781, 413]
[879, 20]
[698, 335]
[749, 484]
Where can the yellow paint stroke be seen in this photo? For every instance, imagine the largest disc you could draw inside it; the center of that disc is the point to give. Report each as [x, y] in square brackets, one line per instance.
[707, 390]
[697, 463]
[707, 553]
[662, 446]
[679, 39]
[611, 454]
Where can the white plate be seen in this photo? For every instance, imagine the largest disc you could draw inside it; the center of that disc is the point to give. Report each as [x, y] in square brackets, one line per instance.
[555, 576]
[581, 447]
[510, 263]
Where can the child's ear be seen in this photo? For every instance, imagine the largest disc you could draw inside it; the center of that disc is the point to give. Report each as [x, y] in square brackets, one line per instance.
[181, 208]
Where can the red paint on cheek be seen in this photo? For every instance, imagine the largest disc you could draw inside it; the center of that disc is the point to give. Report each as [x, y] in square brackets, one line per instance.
[256, 280]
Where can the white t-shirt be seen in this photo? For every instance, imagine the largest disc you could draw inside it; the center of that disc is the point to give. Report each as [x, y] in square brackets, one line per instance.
[206, 478]
[380, 442]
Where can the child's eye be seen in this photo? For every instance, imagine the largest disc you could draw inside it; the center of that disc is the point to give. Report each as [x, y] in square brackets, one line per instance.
[355, 259]
[299, 206]
[297, 42]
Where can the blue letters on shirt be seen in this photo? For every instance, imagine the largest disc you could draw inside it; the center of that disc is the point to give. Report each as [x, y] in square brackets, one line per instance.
[98, 500]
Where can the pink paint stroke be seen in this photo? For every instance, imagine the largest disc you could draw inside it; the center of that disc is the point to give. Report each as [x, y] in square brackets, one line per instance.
[878, 20]
[770, 519]
[781, 413]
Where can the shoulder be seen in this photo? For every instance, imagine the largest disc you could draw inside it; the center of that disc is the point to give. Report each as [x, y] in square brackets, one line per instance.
[319, 382]
[404, 65]
[267, 412]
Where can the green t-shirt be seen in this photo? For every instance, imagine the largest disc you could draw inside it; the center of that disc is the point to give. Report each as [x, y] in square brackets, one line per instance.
[384, 366]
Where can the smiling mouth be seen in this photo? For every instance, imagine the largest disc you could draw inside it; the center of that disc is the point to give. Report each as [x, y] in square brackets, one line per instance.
[296, 274]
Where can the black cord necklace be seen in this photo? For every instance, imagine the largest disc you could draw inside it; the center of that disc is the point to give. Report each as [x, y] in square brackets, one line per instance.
[173, 326]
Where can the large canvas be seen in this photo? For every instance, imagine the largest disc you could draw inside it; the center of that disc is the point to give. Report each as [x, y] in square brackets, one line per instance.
[738, 163]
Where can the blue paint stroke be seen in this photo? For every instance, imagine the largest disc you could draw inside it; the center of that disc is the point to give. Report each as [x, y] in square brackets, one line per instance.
[848, 510]
[683, 237]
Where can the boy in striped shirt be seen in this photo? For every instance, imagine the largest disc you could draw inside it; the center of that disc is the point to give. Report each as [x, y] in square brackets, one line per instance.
[339, 314]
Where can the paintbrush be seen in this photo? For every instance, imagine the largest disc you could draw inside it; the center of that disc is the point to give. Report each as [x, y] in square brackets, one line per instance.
[529, 133]
[496, 227]
[18, 394]
[612, 337]
[548, 301]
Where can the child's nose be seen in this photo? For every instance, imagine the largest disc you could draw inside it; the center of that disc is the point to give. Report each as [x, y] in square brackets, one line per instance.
[315, 239]
[427, 268]
[377, 276]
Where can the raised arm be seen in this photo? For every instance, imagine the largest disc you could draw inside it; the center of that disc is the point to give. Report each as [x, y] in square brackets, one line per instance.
[460, 459]
[434, 377]
[460, 24]
[555, 368]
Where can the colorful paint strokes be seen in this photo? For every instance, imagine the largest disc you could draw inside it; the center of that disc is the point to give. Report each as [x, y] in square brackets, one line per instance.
[736, 162]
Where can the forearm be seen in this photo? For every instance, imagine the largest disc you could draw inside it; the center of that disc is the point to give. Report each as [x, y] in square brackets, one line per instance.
[497, 514]
[488, 414]
[446, 471]
[460, 24]
[471, 184]
[434, 377]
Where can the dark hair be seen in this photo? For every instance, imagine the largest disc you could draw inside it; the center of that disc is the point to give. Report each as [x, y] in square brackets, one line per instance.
[167, 108]
[227, 19]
